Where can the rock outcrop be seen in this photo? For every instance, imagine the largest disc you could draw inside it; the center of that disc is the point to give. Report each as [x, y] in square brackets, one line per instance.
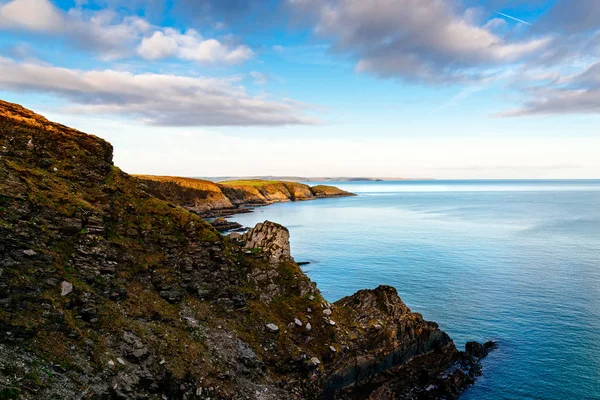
[270, 238]
[108, 292]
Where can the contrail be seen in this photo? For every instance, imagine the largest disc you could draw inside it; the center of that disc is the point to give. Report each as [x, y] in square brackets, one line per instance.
[511, 17]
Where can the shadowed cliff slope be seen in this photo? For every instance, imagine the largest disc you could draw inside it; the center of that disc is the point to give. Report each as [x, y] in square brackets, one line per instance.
[108, 292]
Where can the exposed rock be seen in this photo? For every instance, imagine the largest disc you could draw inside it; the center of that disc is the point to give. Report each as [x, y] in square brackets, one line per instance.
[272, 239]
[327, 312]
[272, 328]
[478, 350]
[222, 225]
[329, 191]
[210, 199]
[66, 288]
[298, 322]
[182, 311]
[235, 235]
[314, 361]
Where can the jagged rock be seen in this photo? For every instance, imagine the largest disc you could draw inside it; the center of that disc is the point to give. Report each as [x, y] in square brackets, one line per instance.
[478, 350]
[272, 239]
[222, 225]
[298, 322]
[327, 312]
[180, 309]
[272, 328]
[29, 253]
[66, 288]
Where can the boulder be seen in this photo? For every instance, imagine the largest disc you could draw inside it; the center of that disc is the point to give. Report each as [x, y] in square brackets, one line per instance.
[272, 239]
[66, 288]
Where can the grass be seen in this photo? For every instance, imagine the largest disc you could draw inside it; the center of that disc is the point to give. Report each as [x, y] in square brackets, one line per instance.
[249, 182]
[192, 183]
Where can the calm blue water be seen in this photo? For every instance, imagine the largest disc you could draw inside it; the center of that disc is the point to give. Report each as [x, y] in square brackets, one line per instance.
[514, 261]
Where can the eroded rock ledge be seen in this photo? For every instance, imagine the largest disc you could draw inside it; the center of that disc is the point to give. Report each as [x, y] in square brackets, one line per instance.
[108, 292]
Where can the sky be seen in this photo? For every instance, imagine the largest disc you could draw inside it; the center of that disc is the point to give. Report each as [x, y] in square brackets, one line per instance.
[447, 89]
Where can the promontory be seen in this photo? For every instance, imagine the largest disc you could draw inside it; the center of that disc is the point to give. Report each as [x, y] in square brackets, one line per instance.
[109, 289]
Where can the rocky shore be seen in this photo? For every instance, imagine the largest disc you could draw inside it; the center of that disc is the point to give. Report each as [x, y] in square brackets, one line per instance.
[111, 289]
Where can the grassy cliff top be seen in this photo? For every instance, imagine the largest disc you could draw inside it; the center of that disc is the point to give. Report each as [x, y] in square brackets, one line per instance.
[191, 183]
[251, 182]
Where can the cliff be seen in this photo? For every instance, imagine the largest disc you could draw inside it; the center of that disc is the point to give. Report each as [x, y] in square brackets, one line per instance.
[109, 292]
[195, 194]
[205, 197]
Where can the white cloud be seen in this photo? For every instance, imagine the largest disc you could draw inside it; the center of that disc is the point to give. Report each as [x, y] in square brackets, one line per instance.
[430, 40]
[168, 100]
[190, 46]
[101, 31]
[112, 36]
[562, 94]
[35, 15]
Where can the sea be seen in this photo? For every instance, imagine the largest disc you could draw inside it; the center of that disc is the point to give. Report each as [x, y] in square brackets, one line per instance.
[513, 261]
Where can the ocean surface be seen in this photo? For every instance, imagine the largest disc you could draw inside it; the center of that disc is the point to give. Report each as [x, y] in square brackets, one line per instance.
[513, 261]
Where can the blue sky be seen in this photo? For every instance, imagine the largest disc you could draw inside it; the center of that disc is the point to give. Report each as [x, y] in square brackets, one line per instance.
[390, 88]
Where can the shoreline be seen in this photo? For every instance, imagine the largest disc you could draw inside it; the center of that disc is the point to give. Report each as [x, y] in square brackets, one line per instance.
[112, 284]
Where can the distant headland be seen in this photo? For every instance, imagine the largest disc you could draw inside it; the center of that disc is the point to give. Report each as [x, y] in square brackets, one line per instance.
[312, 179]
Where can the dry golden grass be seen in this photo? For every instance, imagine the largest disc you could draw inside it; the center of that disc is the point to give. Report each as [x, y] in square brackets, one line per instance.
[192, 183]
[249, 182]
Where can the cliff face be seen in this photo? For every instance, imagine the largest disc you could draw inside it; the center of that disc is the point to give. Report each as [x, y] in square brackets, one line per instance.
[208, 198]
[109, 292]
[195, 194]
[256, 192]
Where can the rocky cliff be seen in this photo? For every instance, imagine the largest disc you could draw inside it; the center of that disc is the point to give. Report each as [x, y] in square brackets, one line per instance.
[108, 292]
[208, 198]
[194, 194]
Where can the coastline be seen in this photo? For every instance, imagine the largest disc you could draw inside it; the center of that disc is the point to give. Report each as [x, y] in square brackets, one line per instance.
[116, 292]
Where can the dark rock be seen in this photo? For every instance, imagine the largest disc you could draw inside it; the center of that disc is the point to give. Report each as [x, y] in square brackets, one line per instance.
[165, 307]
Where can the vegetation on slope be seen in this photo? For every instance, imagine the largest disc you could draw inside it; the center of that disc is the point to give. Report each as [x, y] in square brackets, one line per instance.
[107, 291]
[204, 196]
[195, 194]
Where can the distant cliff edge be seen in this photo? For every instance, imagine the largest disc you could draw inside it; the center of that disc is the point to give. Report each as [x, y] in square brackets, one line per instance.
[208, 198]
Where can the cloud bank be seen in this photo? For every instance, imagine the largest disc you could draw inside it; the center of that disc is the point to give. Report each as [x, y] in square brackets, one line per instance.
[430, 41]
[156, 99]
